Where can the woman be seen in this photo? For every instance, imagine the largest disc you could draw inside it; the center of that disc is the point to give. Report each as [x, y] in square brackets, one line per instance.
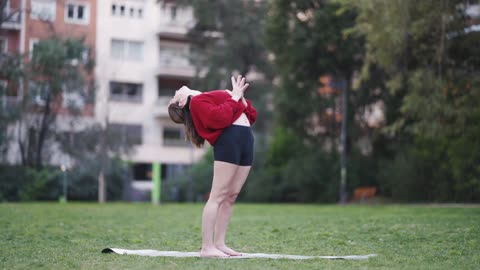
[223, 118]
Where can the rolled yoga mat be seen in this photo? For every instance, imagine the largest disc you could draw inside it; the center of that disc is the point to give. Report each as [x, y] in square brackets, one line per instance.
[157, 253]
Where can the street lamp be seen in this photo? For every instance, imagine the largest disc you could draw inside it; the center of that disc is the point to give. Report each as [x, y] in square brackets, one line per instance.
[342, 86]
[63, 198]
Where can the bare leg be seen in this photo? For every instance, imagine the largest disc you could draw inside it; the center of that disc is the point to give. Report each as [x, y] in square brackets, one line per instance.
[223, 173]
[226, 209]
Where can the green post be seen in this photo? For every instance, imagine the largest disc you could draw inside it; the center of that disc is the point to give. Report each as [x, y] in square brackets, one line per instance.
[156, 178]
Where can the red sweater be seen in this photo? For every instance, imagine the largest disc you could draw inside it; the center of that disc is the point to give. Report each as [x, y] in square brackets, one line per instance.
[214, 111]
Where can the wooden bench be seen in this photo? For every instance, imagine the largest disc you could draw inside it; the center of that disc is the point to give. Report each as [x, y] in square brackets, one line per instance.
[364, 193]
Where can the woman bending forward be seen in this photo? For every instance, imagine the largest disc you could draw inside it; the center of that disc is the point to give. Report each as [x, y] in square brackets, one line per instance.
[223, 118]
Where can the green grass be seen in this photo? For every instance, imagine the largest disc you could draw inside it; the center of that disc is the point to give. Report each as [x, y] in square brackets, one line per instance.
[71, 236]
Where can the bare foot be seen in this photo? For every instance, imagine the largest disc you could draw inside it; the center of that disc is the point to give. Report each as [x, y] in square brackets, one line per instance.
[212, 253]
[228, 251]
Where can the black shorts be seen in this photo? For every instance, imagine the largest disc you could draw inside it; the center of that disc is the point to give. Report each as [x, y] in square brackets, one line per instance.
[235, 145]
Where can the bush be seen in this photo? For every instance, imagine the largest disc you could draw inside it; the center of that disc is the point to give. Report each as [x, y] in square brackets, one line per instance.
[19, 183]
[26, 184]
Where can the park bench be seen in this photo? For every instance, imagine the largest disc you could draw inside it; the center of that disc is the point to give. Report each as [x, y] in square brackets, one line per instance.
[364, 193]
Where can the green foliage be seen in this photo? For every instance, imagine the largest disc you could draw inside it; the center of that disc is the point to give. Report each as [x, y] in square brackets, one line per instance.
[198, 179]
[18, 183]
[57, 67]
[83, 180]
[26, 184]
[308, 40]
[433, 96]
[10, 71]
[40, 185]
[229, 37]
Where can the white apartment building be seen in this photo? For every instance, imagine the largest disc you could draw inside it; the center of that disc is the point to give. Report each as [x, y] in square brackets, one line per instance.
[141, 59]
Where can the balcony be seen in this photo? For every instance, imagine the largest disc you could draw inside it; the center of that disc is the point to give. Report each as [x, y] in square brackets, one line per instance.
[161, 107]
[9, 106]
[12, 20]
[175, 21]
[175, 64]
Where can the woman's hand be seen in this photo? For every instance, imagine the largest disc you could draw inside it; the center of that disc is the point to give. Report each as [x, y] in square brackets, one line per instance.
[239, 87]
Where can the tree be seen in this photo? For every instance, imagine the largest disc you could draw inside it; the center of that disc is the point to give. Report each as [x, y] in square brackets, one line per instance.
[228, 37]
[54, 73]
[309, 43]
[430, 62]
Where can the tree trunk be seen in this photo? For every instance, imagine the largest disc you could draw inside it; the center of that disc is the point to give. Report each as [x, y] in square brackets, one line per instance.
[42, 134]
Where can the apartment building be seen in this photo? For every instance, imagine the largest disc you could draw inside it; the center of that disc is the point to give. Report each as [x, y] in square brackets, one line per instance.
[29, 22]
[142, 58]
[10, 42]
[11, 27]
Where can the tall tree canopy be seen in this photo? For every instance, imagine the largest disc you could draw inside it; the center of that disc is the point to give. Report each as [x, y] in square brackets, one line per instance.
[429, 56]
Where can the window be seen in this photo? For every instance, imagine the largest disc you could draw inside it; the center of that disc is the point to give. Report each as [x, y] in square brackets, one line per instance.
[3, 44]
[3, 88]
[167, 87]
[13, 15]
[135, 50]
[43, 10]
[3, 94]
[129, 134]
[6, 9]
[33, 42]
[170, 171]
[130, 92]
[142, 171]
[77, 13]
[173, 13]
[73, 100]
[38, 93]
[174, 137]
[129, 10]
[127, 50]
[174, 54]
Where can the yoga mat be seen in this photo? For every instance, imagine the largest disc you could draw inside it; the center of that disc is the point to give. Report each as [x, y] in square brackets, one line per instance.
[157, 253]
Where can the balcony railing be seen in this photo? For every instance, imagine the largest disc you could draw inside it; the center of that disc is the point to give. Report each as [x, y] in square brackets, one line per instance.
[11, 19]
[174, 60]
[9, 105]
[161, 106]
[175, 142]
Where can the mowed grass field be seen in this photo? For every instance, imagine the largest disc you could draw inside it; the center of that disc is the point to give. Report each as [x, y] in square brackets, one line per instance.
[71, 236]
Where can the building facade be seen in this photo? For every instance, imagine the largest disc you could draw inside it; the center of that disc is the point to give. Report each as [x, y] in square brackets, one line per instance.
[28, 23]
[10, 42]
[142, 58]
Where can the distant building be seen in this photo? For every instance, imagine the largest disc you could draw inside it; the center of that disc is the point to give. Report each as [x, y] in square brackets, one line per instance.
[11, 42]
[36, 20]
[142, 58]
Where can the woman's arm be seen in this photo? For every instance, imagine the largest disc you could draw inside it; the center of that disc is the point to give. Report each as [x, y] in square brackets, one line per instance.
[214, 116]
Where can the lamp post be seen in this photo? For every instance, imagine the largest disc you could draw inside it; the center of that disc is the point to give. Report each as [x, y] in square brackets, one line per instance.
[342, 86]
[343, 138]
[190, 177]
[63, 198]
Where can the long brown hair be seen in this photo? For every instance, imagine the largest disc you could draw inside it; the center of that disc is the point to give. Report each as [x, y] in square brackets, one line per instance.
[182, 115]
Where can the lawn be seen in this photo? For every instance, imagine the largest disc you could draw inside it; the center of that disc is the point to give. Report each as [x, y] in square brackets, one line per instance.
[71, 236]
